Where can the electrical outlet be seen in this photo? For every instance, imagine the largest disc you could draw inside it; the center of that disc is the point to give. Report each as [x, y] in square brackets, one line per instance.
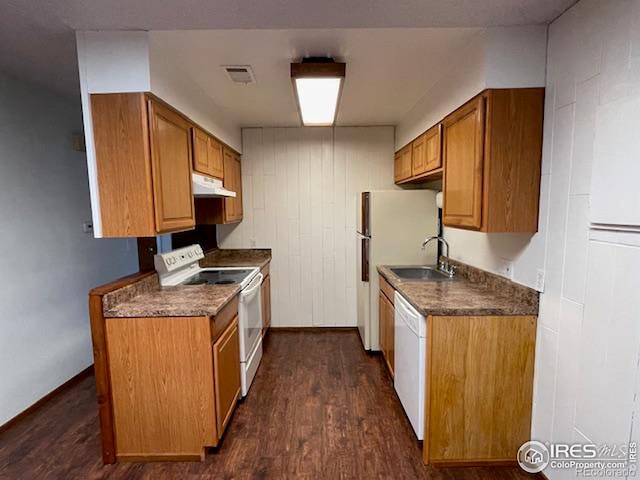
[540, 280]
[87, 227]
[505, 268]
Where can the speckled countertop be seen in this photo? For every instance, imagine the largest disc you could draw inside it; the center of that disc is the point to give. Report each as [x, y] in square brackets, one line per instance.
[237, 258]
[471, 292]
[148, 299]
[180, 301]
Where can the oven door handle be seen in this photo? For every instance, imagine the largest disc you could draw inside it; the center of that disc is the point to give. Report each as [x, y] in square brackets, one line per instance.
[246, 295]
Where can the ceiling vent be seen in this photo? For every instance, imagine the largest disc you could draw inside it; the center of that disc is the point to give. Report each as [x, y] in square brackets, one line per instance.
[240, 74]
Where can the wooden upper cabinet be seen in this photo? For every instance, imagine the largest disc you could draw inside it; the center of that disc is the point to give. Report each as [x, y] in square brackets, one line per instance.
[216, 163]
[433, 149]
[426, 152]
[216, 211]
[463, 152]
[207, 154]
[419, 155]
[492, 149]
[232, 181]
[421, 160]
[200, 151]
[402, 164]
[171, 168]
[143, 163]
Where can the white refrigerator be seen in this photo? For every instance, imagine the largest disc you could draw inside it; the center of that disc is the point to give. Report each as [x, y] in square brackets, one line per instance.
[392, 226]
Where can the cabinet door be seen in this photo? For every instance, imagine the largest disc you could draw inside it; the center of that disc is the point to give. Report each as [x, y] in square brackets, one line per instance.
[239, 209]
[433, 149]
[266, 304]
[402, 164]
[171, 168]
[463, 133]
[382, 323]
[232, 181]
[200, 151]
[216, 162]
[426, 155]
[391, 335]
[418, 156]
[226, 374]
[387, 334]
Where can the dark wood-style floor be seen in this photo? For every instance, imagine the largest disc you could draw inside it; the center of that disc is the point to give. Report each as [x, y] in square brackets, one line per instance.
[320, 407]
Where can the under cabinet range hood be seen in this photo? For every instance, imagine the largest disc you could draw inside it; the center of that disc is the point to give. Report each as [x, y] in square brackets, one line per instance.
[204, 186]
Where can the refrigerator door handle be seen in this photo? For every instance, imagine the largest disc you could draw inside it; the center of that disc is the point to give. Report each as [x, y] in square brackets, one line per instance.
[365, 214]
[364, 261]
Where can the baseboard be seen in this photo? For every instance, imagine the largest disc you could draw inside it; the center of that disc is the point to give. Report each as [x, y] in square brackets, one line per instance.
[313, 329]
[161, 457]
[474, 463]
[37, 405]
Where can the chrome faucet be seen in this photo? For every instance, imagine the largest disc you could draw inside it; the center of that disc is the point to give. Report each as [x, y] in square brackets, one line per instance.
[443, 265]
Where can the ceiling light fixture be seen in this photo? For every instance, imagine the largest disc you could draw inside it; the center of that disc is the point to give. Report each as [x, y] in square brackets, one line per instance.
[317, 82]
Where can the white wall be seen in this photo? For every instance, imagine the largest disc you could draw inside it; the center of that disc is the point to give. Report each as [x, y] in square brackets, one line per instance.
[457, 85]
[48, 264]
[300, 187]
[497, 57]
[173, 86]
[587, 373]
[108, 62]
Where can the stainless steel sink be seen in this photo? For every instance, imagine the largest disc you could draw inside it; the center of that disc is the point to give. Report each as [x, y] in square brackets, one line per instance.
[420, 273]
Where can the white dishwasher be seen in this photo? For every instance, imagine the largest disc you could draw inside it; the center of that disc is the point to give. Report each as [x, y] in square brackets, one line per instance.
[409, 370]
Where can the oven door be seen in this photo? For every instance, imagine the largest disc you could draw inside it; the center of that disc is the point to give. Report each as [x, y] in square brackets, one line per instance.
[250, 317]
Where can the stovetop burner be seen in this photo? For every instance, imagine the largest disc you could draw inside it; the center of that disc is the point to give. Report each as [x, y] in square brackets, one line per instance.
[218, 277]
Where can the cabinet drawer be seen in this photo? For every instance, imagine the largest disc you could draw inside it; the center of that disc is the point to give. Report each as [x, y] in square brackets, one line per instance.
[224, 317]
[386, 288]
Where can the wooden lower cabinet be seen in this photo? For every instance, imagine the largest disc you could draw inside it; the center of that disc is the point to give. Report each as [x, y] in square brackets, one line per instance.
[174, 382]
[479, 388]
[226, 374]
[266, 303]
[479, 384]
[386, 324]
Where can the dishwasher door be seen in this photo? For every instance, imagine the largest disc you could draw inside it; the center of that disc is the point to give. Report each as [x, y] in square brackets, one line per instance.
[409, 372]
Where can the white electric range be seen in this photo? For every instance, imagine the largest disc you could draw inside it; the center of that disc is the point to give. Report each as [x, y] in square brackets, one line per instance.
[181, 267]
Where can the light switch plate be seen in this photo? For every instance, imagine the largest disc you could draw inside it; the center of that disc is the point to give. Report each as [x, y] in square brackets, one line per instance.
[540, 280]
[505, 268]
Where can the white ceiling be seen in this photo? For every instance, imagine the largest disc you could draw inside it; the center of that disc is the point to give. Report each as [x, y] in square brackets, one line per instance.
[388, 70]
[37, 41]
